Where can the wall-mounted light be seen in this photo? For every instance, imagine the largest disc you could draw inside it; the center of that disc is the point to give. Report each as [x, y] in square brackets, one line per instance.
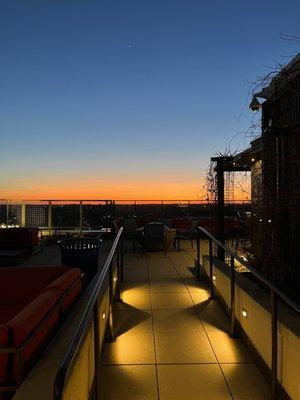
[260, 220]
[115, 279]
[252, 159]
[103, 316]
[244, 313]
[269, 220]
[214, 277]
[255, 104]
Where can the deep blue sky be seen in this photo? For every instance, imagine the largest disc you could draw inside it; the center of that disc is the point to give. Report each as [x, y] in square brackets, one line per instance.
[128, 93]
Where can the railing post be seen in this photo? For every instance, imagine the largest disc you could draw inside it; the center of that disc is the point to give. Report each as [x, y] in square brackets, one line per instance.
[118, 287]
[23, 215]
[274, 322]
[7, 212]
[198, 256]
[232, 297]
[110, 333]
[50, 218]
[122, 259]
[97, 355]
[114, 210]
[80, 217]
[211, 269]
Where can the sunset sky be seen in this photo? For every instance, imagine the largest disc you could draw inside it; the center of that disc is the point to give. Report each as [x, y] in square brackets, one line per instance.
[128, 99]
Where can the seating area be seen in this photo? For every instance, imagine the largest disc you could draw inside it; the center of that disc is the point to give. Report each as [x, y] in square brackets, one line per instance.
[18, 243]
[33, 302]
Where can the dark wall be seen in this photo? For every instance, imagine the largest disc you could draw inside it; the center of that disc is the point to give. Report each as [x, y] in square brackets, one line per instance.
[281, 189]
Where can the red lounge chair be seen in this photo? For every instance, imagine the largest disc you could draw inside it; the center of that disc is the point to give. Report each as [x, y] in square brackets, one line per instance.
[32, 303]
[20, 238]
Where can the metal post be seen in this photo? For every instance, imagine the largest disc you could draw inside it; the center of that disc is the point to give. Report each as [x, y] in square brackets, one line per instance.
[110, 333]
[211, 269]
[97, 355]
[80, 218]
[274, 322]
[118, 287]
[232, 297]
[50, 217]
[134, 207]
[23, 215]
[198, 256]
[114, 210]
[220, 220]
[7, 212]
[122, 260]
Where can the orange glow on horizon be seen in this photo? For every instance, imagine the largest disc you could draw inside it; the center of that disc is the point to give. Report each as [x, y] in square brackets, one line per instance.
[160, 189]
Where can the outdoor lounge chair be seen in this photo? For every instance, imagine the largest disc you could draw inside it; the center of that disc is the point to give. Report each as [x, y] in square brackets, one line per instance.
[33, 303]
[152, 237]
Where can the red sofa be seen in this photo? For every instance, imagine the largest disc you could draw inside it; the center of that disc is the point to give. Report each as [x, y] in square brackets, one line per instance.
[33, 301]
[19, 238]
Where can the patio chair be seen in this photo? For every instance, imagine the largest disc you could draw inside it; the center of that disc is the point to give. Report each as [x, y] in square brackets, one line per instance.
[152, 237]
[130, 230]
[186, 229]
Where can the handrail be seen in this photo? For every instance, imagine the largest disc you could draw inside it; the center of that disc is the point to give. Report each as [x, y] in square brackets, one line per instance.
[84, 322]
[275, 294]
[122, 201]
[259, 276]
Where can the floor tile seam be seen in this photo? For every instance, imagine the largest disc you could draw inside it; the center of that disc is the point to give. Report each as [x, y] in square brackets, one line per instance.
[226, 383]
[128, 364]
[177, 271]
[201, 322]
[189, 254]
[238, 363]
[159, 363]
[154, 291]
[153, 330]
[218, 361]
[168, 309]
[136, 309]
[153, 335]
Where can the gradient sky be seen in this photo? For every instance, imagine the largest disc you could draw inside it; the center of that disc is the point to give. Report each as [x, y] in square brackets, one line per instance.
[128, 99]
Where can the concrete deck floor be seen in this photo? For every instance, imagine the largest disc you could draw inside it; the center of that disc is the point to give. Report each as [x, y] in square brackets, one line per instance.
[172, 341]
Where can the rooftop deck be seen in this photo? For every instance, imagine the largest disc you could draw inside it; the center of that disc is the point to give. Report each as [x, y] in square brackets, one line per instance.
[172, 340]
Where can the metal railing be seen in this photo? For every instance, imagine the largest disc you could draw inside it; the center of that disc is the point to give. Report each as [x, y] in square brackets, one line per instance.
[91, 314]
[275, 295]
[51, 215]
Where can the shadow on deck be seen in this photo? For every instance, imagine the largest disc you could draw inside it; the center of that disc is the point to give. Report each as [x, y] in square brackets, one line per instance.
[172, 340]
